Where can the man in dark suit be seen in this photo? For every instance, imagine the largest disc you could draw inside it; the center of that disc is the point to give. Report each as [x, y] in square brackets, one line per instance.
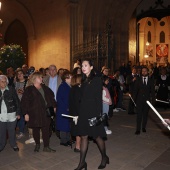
[143, 91]
[130, 81]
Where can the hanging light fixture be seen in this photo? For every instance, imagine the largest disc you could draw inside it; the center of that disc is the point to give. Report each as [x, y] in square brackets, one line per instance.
[146, 55]
[147, 43]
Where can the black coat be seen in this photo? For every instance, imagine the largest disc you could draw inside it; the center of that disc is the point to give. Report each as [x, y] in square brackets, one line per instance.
[163, 92]
[11, 100]
[33, 104]
[130, 82]
[90, 106]
[74, 105]
[143, 93]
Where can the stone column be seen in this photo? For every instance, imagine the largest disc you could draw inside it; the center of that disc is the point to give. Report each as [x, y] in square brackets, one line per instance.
[72, 13]
[137, 43]
[32, 54]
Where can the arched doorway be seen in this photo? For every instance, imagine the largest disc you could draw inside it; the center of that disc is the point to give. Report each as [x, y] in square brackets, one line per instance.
[17, 34]
[153, 29]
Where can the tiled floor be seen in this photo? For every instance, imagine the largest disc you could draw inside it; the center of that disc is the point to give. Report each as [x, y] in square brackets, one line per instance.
[147, 151]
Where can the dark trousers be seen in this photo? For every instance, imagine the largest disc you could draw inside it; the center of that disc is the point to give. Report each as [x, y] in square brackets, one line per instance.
[10, 128]
[64, 137]
[21, 124]
[142, 114]
[45, 135]
[110, 113]
[120, 99]
[131, 107]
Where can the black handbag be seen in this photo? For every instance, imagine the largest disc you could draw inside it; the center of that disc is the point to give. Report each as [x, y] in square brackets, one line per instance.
[50, 112]
[95, 121]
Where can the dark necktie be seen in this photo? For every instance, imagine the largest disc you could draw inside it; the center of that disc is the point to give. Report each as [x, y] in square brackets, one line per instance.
[144, 81]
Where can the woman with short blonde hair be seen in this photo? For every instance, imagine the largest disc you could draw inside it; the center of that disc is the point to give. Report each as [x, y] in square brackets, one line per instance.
[35, 102]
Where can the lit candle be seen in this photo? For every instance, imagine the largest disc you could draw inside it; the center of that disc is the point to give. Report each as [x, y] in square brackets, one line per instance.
[160, 117]
[0, 5]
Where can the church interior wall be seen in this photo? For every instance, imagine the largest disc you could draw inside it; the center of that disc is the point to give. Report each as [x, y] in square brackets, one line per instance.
[54, 27]
[158, 51]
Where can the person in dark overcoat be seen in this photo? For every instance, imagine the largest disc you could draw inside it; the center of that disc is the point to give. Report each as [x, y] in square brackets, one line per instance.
[74, 105]
[36, 99]
[130, 81]
[143, 91]
[162, 88]
[90, 106]
[63, 123]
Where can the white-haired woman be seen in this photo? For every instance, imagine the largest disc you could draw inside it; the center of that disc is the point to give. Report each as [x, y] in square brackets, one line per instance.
[9, 113]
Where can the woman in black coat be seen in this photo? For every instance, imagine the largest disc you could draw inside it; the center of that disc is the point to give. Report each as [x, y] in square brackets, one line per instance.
[36, 99]
[74, 103]
[162, 87]
[90, 106]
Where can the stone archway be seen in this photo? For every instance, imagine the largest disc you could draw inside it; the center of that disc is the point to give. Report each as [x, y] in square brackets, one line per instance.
[16, 16]
[17, 34]
[149, 21]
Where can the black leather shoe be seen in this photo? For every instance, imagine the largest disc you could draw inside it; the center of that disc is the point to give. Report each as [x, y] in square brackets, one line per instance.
[102, 166]
[37, 148]
[65, 144]
[131, 113]
[48, 149]
[137, 132]
[16, 149]
[144, 130]
[84, 166]
[76, 150]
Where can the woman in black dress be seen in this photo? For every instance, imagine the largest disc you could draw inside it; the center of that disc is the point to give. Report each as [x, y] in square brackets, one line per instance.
[162, 87]
[90, 106]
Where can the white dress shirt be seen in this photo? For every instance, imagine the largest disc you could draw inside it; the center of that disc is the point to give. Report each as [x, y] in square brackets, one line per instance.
[146, 79]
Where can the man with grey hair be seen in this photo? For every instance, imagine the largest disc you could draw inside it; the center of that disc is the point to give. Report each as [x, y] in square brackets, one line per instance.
[53, 80]
[9, 113]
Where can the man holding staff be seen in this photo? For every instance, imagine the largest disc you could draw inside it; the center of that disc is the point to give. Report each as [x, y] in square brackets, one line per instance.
[143, 91]
[130, 81]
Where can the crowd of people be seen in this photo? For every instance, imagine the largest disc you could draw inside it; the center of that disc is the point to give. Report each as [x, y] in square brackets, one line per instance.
[38, 99]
